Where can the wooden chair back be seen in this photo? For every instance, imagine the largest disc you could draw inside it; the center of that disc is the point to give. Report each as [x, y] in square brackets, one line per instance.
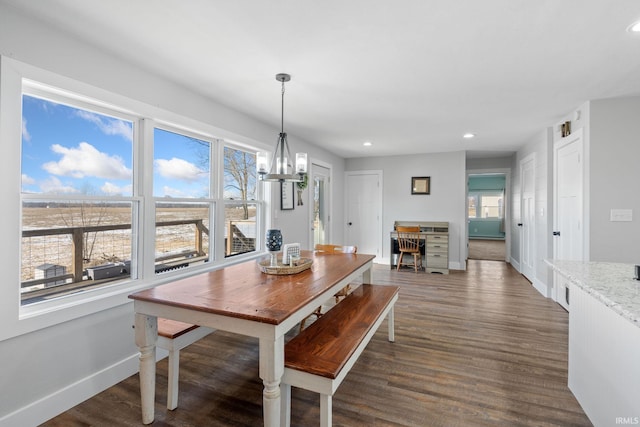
[336, 249]
[408, 238]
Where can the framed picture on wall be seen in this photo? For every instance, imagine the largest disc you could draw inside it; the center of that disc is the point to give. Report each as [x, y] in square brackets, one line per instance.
[286, 195]
[421, 185]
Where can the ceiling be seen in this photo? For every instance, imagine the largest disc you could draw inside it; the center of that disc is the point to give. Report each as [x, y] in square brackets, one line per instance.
[410, 76]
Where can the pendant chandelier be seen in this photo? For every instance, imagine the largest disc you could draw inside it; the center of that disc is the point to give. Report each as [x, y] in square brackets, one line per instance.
[281, 169]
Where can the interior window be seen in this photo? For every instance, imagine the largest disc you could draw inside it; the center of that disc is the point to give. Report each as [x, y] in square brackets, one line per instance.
[487, 204]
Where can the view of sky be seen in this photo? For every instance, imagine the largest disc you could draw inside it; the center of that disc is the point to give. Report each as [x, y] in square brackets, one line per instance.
[67, 150]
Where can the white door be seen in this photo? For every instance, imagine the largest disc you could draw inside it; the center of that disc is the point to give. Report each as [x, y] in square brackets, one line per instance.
[527, 217]
[363, 202]
[568, 229]
[319, 193]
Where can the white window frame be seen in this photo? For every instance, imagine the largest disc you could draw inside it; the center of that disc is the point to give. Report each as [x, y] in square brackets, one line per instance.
[17, 319]
[478, 194]
[259, 201]
[212, 200]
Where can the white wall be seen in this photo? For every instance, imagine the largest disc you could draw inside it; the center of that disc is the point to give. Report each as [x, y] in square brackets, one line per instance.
[615, 179]
[49, 369]
[489, 163]
[447, 201]
[611, 149]
[611, 144]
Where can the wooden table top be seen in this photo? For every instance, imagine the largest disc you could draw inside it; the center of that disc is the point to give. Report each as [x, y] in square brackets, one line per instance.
[243, 291]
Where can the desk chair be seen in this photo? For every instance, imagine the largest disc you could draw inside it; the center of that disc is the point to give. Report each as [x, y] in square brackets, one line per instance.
[409, 243]
[332, 250]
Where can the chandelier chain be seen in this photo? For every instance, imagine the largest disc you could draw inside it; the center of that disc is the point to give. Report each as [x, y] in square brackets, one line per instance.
[282, 110]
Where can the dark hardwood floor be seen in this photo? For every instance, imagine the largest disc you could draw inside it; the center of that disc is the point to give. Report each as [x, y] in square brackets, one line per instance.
[474, 348]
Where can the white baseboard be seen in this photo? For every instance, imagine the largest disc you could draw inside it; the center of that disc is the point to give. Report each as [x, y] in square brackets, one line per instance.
[377, 260]
[66, 398]
[515, 265]
[542, 288]
[457, 266]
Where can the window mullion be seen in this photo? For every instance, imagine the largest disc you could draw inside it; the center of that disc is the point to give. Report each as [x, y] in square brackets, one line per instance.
[147, 211]
[217, 182]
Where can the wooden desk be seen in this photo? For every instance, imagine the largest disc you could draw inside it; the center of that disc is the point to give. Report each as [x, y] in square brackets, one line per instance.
[243, 300]
[434, 245]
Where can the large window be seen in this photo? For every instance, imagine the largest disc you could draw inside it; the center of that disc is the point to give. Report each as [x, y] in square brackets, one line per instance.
[77, 205]
[240, 201]
[181, 174]
[94, 214]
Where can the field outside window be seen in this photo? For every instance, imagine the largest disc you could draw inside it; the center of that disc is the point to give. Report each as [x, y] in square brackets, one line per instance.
[240, 208]
[181, 174]
[82, 206]
[77, 209]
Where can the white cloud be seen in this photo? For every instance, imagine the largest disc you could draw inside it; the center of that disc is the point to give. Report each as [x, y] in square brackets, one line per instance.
[108, 126]
[86, 160]
[112, 189]
[173, 192]
[27, 180]
[54, 185]
[179, 169]
[26, 136]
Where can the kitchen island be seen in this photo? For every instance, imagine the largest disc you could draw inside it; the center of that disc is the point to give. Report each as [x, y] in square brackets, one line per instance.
[604, 339]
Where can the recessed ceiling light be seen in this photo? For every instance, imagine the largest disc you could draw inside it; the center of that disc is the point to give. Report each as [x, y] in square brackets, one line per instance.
[634, 28]
[367, 144]
[468, 135]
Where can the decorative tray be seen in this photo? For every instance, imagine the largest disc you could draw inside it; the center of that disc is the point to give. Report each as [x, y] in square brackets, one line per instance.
[301, 265]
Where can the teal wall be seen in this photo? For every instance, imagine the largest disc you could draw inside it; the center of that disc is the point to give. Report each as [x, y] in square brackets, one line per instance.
[486, 228]
[486, 182]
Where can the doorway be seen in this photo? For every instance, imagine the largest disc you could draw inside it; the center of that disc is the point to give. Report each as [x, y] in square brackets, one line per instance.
[527, 216]
[487, 214]
[568, 218]
[363, 202]
[320, 200]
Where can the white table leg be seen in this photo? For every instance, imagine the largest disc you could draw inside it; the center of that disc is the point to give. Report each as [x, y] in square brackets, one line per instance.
[391, 325]
[146, 337]
[271, 370]
[366, 276]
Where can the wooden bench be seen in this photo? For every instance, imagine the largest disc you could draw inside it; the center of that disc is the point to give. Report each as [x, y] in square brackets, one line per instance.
[173, 336]
[319, 357]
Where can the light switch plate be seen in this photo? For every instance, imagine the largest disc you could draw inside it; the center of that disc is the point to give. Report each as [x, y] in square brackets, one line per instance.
[618, 215]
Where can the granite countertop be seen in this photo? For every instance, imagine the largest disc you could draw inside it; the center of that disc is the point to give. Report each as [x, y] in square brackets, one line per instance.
[611, 283]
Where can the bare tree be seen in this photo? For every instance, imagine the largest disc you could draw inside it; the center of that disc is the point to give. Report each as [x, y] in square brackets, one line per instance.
[84, 214]
[240, 176]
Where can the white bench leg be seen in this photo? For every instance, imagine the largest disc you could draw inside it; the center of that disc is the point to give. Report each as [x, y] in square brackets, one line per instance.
[174, 373]
[391, 324]
[325, 410]
[285, 405]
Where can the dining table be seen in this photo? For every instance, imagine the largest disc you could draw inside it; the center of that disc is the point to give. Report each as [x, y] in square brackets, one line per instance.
[243, 299]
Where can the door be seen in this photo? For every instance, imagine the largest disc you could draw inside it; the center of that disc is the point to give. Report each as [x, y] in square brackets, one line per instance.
[527, 217]
[320, 202]
[364, 211]
[568, 228]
